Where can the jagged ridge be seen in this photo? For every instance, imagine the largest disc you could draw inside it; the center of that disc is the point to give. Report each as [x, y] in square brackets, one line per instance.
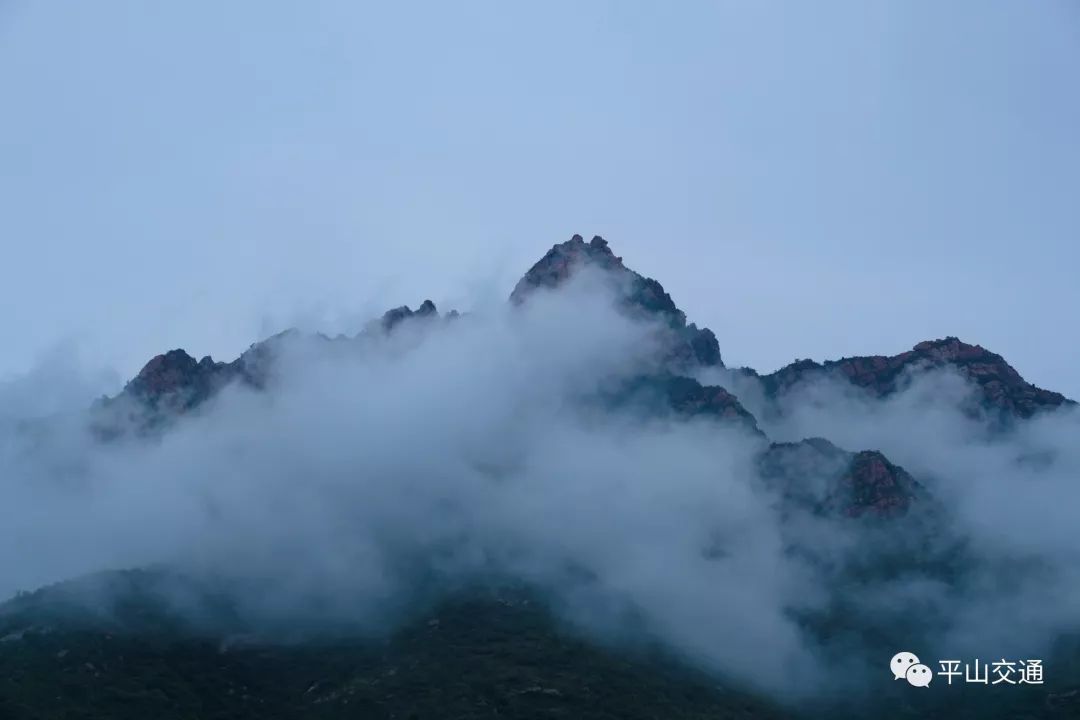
[640, 295]
[1001, 386]
[855, 484]
[174, 383]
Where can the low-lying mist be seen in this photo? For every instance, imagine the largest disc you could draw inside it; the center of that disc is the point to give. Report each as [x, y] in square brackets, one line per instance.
[453, 451]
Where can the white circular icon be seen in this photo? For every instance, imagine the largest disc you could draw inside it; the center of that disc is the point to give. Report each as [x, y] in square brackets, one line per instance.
[919, 675]
[900, 663]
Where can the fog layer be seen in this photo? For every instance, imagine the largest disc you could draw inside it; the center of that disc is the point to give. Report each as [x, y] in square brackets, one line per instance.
[478, 448]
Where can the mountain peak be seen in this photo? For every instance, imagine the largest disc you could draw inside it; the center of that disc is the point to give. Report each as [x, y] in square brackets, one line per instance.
[1001, 387]
[640, 295]
[392, 318]
[170, 372]
[562, 260]
[816, 473]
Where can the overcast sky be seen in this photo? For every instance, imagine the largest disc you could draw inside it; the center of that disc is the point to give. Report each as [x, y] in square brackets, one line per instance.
[808, 179]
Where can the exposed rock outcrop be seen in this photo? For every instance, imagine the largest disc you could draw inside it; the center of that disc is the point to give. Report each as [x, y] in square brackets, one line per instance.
[640, 295]
[394, 317]
[1000, 386]
[816, 474]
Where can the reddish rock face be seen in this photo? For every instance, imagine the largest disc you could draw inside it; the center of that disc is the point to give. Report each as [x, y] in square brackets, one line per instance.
[164, 373]
[641, 296]
[174, 383]
[688, 397]
[817, 475]
[1001, 386]
[560, 262]
[169, 385]
[873, 485]
[175, 375]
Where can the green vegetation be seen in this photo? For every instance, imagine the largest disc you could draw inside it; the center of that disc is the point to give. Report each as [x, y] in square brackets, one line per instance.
[109, 647]
[497, 656]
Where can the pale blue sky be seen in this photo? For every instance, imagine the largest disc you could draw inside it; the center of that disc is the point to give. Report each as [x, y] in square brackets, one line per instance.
[808, 179]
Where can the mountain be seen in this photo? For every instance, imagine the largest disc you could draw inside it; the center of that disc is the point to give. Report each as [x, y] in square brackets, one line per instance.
[490, 653]
[1001, 388]
[865, 483]
[862, 483]
[640, 296]
[175, 382]
[493, 653]
[860, 524]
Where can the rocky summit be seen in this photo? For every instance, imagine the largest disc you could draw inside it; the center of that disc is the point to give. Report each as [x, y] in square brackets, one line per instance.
[857, 484]
[1000, 386]
[640, 295]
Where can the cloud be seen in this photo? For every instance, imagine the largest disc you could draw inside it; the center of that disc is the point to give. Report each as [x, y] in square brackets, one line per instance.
[1006, 498]
[477, 450]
